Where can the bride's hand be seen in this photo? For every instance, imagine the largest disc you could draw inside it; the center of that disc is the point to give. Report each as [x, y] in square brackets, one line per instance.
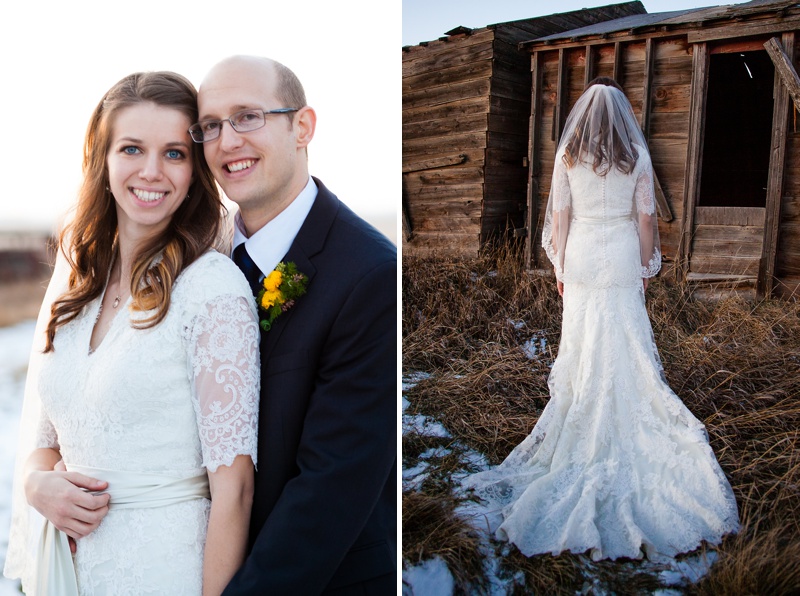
[560, 286]
[63, 498]
[73, 546]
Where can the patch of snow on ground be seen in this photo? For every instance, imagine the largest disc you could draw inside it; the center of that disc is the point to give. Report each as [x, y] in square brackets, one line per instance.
[413, 378]
[417, 423]
[432, 577]
[424, 426]
[518, 325]
[414, 477]
[691, 569]
[429, 578]
[534, 346]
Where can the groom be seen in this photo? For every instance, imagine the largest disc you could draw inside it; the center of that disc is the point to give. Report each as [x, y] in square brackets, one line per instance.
[324, 513]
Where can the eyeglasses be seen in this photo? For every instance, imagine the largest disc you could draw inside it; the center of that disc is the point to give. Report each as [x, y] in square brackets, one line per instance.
[244, 121]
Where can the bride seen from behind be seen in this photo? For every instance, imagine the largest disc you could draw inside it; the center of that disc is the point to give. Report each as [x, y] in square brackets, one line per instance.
[616, 464]
[144, 379]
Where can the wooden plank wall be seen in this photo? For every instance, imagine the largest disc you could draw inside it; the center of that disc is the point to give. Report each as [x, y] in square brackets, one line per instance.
[669, 130]
[505, 193]
[727, 243]
[446, 103]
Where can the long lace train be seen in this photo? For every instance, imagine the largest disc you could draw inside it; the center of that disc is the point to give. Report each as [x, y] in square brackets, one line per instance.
[616, 462]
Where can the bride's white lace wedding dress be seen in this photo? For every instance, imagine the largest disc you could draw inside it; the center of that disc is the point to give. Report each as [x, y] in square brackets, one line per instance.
[169, 401]
[616, 463]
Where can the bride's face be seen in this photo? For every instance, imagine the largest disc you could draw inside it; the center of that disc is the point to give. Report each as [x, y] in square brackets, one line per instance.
[149, 166]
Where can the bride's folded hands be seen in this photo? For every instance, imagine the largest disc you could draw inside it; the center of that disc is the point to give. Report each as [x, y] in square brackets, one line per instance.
[65, 498]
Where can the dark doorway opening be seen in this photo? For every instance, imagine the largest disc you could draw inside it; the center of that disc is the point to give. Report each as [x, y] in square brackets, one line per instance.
[736, 149]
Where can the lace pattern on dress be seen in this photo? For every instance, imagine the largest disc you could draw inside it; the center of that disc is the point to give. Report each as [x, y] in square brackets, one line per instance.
[561, 197]
[46, 435]
[226, 371]
[556, 217]
[644, 197]
[644, 193]
[653, 266]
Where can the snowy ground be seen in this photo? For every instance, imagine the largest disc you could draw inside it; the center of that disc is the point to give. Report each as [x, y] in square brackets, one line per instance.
[433, 578]
[15, 345]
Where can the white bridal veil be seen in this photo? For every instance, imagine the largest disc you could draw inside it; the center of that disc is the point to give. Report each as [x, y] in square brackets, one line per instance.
[602, 138]
[26, 523]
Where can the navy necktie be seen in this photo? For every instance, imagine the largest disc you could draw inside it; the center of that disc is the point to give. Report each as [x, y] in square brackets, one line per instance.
[248, 267]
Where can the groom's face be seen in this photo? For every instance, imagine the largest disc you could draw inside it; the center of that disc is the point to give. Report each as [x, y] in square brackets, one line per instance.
[257, 169]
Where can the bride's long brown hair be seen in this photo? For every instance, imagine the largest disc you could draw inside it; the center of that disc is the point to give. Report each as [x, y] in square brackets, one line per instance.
[594, 139]
[89, 242]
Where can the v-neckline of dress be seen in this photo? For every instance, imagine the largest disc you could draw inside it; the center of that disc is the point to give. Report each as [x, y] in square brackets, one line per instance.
[111, 326]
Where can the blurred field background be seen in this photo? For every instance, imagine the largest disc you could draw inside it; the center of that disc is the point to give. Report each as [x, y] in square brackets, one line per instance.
[25, 265]
[25, 258]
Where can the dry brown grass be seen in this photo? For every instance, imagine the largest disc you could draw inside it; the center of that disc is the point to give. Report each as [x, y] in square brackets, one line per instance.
[432, 527]
[736, 365]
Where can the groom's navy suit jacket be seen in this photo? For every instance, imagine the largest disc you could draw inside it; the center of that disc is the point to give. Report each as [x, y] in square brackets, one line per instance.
[324, 511]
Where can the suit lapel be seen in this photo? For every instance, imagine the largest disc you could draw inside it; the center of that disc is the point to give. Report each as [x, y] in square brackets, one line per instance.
[309, 242]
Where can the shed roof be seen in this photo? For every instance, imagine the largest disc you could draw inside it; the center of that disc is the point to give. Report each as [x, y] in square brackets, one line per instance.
[557, 21]
[635, 23]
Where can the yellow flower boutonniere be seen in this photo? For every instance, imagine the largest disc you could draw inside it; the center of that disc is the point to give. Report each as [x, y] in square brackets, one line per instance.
[278, 293]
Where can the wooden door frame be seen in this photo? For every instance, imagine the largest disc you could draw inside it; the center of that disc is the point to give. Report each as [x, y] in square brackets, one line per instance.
[694, 152]
[777, 162]
[780, 115]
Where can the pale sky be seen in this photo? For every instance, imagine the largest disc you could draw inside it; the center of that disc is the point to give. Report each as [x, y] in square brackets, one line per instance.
[59, 58]
[426, 20]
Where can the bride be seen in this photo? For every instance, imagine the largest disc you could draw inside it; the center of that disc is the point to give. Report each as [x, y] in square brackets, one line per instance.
[616, 464]
[141, 406]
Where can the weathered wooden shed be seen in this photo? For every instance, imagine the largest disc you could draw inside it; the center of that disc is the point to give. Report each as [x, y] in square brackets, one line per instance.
[466, 106]
[711, 88]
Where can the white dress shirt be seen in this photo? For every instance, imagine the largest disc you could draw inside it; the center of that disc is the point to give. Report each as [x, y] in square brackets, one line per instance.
[271, 243]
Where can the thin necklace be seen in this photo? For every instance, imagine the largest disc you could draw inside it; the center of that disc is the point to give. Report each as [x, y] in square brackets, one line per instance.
[118, 297]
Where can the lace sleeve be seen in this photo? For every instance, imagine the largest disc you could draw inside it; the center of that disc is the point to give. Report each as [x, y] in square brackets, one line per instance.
[562, 197]
[225, 365]
[46, 436]
[644, 201]
[556, 221]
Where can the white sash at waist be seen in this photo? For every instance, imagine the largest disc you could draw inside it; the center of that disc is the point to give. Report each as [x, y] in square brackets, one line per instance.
[55, 571]
[601, 220]
[136, 490]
